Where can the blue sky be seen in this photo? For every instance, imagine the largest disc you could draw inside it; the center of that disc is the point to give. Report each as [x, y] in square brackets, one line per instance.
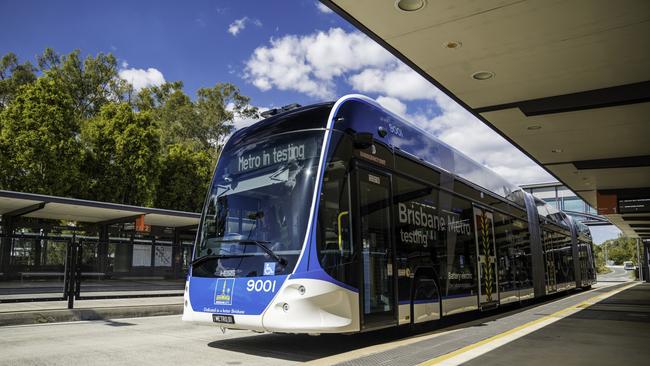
[186, 41]
[277, 52]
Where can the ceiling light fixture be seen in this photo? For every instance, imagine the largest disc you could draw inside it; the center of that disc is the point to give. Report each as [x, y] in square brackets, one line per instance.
[483, 75]
[453, 45]
[409, 5]
[532, 128]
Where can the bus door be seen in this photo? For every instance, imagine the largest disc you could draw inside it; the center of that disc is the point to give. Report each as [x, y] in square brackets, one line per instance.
[488, 287]
[373, 238]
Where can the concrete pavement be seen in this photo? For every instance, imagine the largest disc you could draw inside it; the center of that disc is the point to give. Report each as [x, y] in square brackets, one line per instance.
[154, 341]
[57, 311]
[613, 331]
[165, 340]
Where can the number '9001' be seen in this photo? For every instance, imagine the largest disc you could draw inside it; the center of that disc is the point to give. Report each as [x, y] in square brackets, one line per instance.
[260, 285]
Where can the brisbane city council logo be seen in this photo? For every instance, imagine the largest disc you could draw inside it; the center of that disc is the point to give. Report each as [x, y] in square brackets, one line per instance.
[223, 291]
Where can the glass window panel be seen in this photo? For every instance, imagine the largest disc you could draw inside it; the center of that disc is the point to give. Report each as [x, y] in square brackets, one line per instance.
[545, 192]
[591, 210]
[335, 245]
[551, 201]
[563, 191]
[462, 278]
[573, 204]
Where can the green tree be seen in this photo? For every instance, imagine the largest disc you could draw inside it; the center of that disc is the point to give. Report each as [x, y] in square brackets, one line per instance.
[123, 153]
[12, 76]
[202, 124]
[217, 108]
[91, 82]
[620, 249]
[70, 127]
[39, 142]
[600, 260]
[184, 178]
[173, 110]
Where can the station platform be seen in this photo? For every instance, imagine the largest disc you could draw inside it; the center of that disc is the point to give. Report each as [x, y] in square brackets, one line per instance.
[37, 312]
[607, 325]
[613, 331]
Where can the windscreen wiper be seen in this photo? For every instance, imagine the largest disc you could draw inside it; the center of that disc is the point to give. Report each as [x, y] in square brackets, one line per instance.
[217, 256]
[262, 244]
[259, 243]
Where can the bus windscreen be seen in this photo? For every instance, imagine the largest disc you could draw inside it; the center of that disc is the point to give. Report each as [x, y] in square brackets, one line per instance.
[256, 215]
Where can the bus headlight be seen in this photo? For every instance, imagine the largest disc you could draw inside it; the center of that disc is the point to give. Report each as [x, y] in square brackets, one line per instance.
[302, 290]
[285, 307]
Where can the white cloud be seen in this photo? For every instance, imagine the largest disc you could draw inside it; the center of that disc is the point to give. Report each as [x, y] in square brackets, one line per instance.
[309, 64]
[141, 78]
[313, 64]
[237, 26]
[392, 104]
[460, 129]
[323, 9]
[453, 125]
[240, 122]
[240, 24]
[396, 81]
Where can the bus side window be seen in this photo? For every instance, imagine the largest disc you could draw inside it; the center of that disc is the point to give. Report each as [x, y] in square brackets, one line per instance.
[335, 242]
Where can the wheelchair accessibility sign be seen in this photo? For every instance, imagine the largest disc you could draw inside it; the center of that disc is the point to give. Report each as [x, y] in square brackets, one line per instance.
[223, 291]
[269, 268]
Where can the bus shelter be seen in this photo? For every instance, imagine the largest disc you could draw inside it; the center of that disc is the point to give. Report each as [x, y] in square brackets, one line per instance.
[57, 248]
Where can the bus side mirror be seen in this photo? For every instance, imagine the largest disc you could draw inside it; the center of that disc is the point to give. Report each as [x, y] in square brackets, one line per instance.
[363, 140]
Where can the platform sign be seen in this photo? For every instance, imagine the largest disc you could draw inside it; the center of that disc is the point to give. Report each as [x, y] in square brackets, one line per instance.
[606, 203]
[638, 205]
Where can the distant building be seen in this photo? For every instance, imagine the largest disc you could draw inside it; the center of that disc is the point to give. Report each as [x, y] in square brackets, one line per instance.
[560, 197]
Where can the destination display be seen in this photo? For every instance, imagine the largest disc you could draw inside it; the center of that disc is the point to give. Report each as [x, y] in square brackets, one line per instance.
[255, 159]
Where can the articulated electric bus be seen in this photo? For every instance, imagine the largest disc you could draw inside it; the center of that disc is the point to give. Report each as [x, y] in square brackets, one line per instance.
[343, 217]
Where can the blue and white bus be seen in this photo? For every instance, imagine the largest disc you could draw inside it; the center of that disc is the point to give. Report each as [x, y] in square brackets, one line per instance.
[343, 217]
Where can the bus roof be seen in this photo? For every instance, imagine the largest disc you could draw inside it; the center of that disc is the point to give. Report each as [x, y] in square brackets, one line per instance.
[423, 145]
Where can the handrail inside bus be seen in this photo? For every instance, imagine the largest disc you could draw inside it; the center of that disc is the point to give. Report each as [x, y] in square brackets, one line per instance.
[339, 224]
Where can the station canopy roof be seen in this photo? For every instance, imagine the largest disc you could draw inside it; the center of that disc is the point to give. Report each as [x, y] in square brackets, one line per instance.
[567, 82]
[72, 209]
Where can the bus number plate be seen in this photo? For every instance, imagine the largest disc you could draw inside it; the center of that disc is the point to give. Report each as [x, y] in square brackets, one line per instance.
[218, 318]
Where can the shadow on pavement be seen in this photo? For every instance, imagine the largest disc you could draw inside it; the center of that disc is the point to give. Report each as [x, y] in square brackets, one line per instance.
[611, 332]
[302, 348]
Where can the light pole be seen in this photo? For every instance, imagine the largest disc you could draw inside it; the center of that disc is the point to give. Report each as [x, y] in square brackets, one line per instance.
[638, 257]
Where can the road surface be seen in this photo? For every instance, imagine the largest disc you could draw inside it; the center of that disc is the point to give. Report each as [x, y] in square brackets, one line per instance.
[618, 274]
